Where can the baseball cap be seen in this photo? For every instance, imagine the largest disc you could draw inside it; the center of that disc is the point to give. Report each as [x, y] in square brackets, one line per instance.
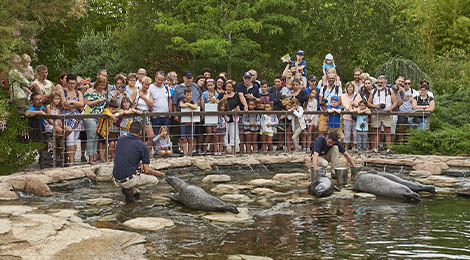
[188, 74]
[300, 52]
[312, 77]
[334, 98]
[247, 75]
[329, 56]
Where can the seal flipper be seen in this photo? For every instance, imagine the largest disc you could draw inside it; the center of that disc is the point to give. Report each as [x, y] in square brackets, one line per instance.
[170, 196]
[231, 208]
[430, 189]
[337, 188]
[413, 196]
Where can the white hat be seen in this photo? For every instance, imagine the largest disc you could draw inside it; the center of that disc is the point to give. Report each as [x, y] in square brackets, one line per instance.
[329, 57]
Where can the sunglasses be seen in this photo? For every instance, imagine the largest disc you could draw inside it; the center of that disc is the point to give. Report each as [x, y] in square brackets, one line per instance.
[407, 83]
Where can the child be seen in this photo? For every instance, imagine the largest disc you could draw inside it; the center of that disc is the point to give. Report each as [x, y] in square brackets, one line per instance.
[124, 123]
[334, 117]
[298, 122]
[251, 126]
[300, 67]
[311, 120]
[266, 97]
[221, 128]
[361, 125]
[210, 97]
[102, 130]
[55, 108]
[187, 129]
[268, 123]
[328, 64]
[162, 142]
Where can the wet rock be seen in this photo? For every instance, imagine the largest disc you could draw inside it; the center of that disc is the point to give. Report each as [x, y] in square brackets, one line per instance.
[224, 161]
[248, 257]
[434, 167]
[15, 210]
[104, 173]
[180, 162]
[36, 186]
[459, 163]
[299, 199]
[216, 178]
[251, 161]
[236, 198]
[109, 218]
[149, 223]
[457, 172]
[243, 186]
[202, 164]
[243, 216]
[290, 177]
[89, 173]
[99, 201]
[264, 182]
[419, 173]
[61, 235]
[68, 185]
[160, 165]
[343, 194]
[363, 195]
[224, 188]
[437, 180]
[262, 191]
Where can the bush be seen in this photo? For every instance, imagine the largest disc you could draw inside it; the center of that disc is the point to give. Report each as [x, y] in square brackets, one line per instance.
[14, 154]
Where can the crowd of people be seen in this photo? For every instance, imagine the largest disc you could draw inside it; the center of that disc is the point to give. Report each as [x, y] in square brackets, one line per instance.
[370, 100]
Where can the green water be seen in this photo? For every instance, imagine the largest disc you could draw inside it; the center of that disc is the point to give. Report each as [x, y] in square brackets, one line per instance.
[332, 228]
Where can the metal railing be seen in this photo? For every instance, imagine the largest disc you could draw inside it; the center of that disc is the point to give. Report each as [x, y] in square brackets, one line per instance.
[286, 143]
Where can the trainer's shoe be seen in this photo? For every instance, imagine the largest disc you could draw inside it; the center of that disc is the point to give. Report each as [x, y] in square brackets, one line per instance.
[127, 194]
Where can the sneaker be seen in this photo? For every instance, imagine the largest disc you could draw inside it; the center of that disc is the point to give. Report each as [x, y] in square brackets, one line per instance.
[83, 158]
[375, 151]
[127, 194]
[137, 196]
[388, 151]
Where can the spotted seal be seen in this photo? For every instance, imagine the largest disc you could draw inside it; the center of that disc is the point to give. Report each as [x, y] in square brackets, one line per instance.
[381, 186]
[416, 187]
[321, 186]
[194, 197]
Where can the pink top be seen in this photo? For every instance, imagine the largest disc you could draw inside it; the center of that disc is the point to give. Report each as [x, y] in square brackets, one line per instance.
[50, 127]
[347, 102]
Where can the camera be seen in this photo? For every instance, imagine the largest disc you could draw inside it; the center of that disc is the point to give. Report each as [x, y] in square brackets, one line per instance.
[324, 102]
[382, 106]
[363, 125]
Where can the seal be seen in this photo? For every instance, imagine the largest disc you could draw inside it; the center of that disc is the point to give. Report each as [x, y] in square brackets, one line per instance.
[321, 186]
[381, 186]
[416, 187]
[194, 197]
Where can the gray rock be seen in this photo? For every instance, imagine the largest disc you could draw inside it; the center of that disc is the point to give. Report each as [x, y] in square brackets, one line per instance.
[148, 223]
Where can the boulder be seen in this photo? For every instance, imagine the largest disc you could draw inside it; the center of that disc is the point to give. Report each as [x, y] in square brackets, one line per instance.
[37, 186]
[248, 257]
[99, 201]
[437, 180]
[291, 177]
[434, 167]
[104, 173]
[243, 186]
[236, 198]
[202, 164]
[160, 165]
[459, 163]
[229, 217]
[15, 210]
[180, 162]
[89, 173]
[224, 188]
[17, 182]
[262, 191]
[148, 223]
[214, 178]
[264, 182]
[250, 161]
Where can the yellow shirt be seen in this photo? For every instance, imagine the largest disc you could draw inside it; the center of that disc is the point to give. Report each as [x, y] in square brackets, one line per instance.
[104, 123]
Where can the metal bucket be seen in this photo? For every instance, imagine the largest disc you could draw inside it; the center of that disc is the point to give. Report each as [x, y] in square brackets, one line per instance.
[341, 175]
[354, 171]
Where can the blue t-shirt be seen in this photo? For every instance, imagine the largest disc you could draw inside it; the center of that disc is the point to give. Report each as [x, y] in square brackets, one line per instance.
[130, 150]
[334, 119]
[178, 95]
[320, 146]
[302, 63]
[267, 98]
[205, 95]
[360, 119]
[328, 66]
[33, 108]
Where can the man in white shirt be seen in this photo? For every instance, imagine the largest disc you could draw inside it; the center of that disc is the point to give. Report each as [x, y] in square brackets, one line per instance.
[141, 73]
[161, 102]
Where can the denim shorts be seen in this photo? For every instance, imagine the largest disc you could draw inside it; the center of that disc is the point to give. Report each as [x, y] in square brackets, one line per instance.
[187, 131]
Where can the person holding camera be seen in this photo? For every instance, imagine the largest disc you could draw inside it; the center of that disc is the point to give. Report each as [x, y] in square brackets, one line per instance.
[382, 100]
[162, 102]
[118, 90]
[326, 93]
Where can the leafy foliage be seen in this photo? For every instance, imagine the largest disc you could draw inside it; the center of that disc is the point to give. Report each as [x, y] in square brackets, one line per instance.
[14, 154]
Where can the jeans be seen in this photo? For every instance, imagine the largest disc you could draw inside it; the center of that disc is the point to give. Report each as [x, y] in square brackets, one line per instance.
[349, 126]
[158, 122]
[422, 123]
[361, 140]
[91, 140]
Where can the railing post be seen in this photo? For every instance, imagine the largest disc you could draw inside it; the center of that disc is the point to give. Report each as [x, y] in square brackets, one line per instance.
[191, 141]
[285, 131]
[106, 148]
[54, 143]
[64, 144]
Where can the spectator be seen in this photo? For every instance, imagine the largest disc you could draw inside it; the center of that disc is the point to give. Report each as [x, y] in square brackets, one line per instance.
[326, 92]
[162, 102]
[298, 122]
[268, 124]
[118, 90]
[396, 88]
[42, 85]
[210, 97]
[201, 83]
[357, 82]
[145, 105]
[246, 91]
[104, 129]
[251, 123]
[407, 95]
[298, 92]
[36, 134]
[141, 73]
[233, 100]
[206, 72]
[423, 102]
[265, 96]
[162, 142]
[72, 102]
[382, 99]
[275, 90]
[187, 129]
[20, 88]
[254, 78]
[173, 81]
[311, 120]
[124, 123]
[219, 84]
[350, 101]
[362, 127]
[55, 108]
[221, 128]
[366, 90]
[300, 65]
[95, 98]
[27, 72]
[334, 117]
[61, 82]
[132, 89]
[328, 64]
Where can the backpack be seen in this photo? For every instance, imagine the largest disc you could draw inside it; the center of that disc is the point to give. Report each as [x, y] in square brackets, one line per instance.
[386, 93]
[324, 90]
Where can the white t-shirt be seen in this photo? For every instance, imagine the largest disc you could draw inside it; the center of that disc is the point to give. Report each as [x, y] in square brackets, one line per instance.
[138, 84]
[330, 93]
[160, 97]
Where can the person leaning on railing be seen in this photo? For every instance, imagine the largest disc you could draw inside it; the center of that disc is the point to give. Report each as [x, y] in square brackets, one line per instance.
[423, 102]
